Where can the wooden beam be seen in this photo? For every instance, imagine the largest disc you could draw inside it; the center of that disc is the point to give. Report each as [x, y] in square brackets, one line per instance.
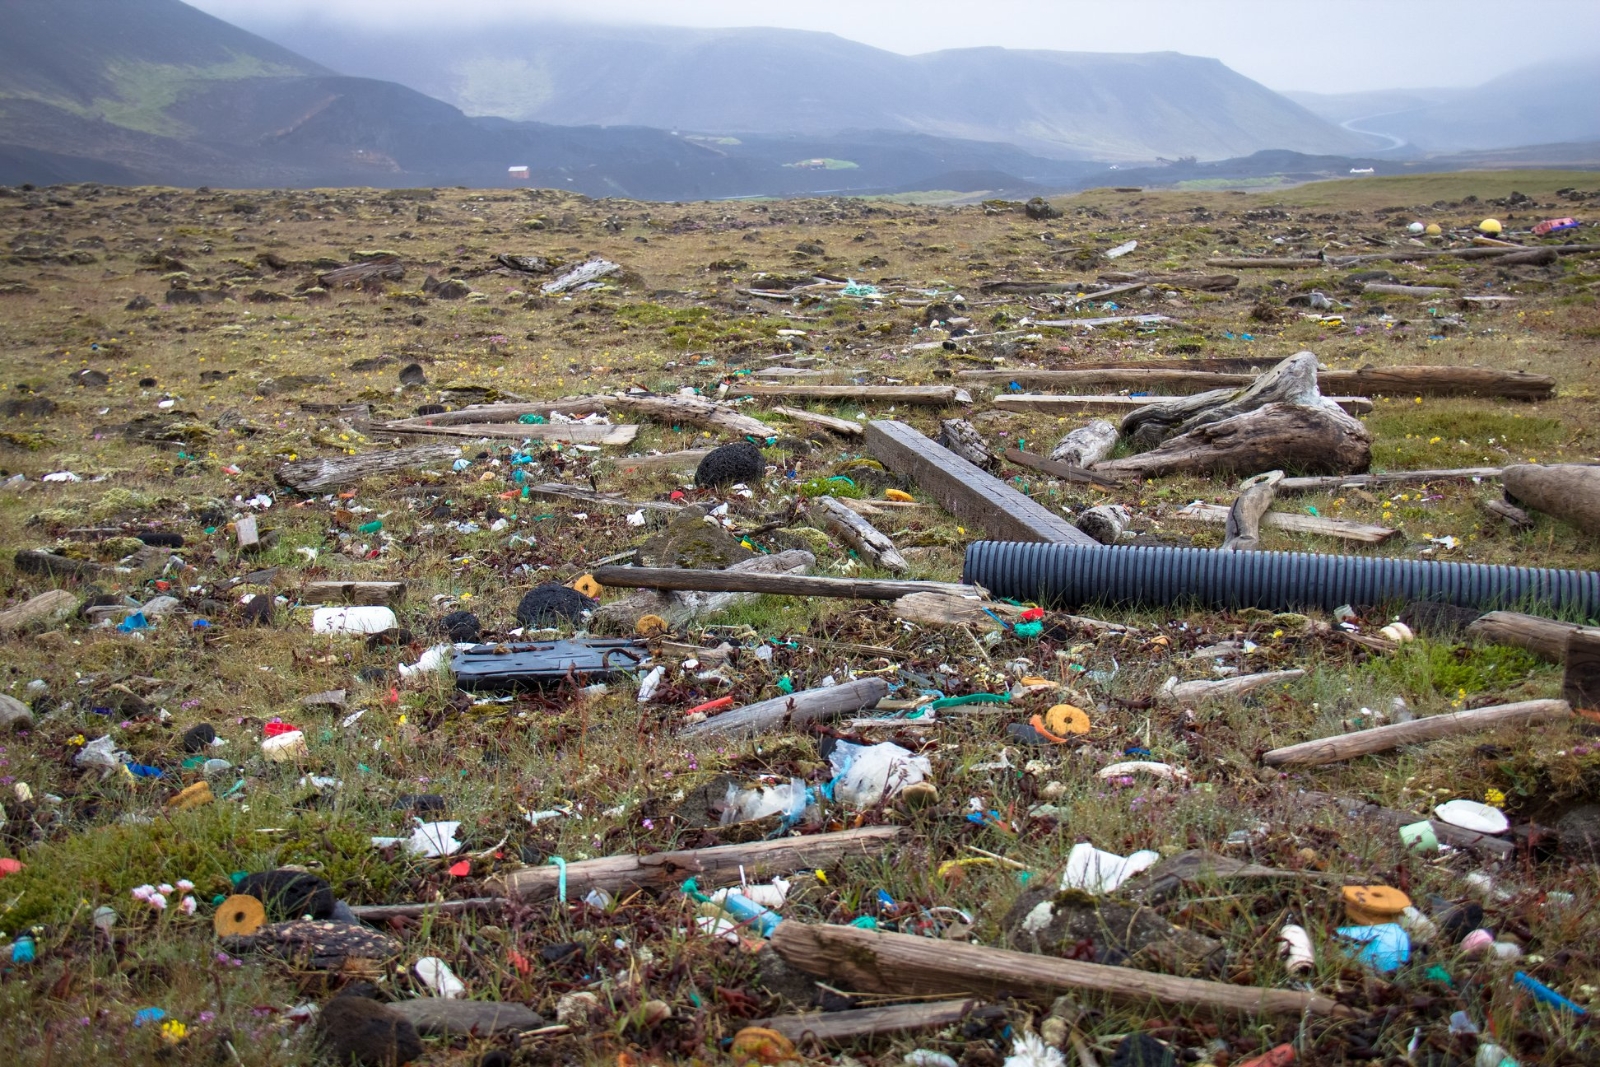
[1344, 530]
[1439, 381]
[600, 500]
[876, 962]
[926, 395]
[1172, 377]
[1105, 320]
[687, 459]
[791, 712]
[1387, 289]
[1052, 404]
[666, 870]
[965, 491]
[1057, 469]
[847, 427]
[314, 475]
[731, 581]
[1394, 735]
[844, 1027]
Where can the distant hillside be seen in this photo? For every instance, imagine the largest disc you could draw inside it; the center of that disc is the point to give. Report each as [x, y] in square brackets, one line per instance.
[1063, 104]
[1547, 104]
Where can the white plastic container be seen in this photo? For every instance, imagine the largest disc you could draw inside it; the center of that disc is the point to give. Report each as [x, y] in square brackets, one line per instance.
[437, 976]
[1294, 945]
[363, 619]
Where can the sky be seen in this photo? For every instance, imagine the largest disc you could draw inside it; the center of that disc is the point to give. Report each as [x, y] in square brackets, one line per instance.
[1311, 45]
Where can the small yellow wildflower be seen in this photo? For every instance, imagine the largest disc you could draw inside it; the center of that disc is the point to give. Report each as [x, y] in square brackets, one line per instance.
[1494, 796]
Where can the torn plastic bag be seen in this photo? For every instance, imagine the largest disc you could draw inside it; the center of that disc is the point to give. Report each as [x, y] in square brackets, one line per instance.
[534, 664]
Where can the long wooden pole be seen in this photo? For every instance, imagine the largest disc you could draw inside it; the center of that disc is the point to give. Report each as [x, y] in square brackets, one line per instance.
[792, 711]
[730, 581]
[617, 874]
[871, 961]
[1384, 738]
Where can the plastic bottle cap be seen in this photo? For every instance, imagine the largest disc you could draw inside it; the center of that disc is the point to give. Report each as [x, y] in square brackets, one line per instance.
[1373, 905]
[239, 916]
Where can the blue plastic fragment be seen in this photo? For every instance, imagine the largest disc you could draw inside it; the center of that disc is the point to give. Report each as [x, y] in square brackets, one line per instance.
[1544, 994]
[132, 623]
[148, 1015]
[1384, 947]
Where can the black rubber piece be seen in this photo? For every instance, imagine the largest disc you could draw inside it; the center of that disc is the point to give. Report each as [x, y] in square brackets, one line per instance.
[289, 895]
[461, 626]
[1067, 576]
[729, 464]
[199, 738]
[161, 539]
[553, 602]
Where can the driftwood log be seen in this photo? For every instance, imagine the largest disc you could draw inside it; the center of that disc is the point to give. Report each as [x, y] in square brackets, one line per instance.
[963, 438]
[871, 961]
[33, 561]
[1293, 381]
[1221, 688]
[845, 427]
[314, 475]
[477, 414]
[1122, 404]
[666, 870]
[1183, 376]
[46, 607]
[1087, 445]
[559, 491]
[870, 543]
[1431, 728]
[791, 712]
[684, 605]
[1281, 263]
[1361, 481]
[1106, 523]
[323, 592]
[1569, 491]
[463, 1018]
[928, 395]
[1545, 638]
[1390, 289]
[359, 275]
[1289, 435]
[1341, 529]
[1242, 532]
[1455, 836]
[843, 1027]
[1580, 686]
[691, 410]
[1058, 469]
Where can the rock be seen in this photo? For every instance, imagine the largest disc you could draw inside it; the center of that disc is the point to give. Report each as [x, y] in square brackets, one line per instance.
[433, 1015]
[289, 894]
[577, 1010]
[1060, 924]
[411, 374]
[1579, 832]
[779, 978]
[199, 738]
[321, 945]
[91, 378]
[553, 602]
[1039, 208]
[453, 289]
[138, 303]
[461, 626]
[729, 465]
[14, 714]
[353, 1029]
[1142, 1050]
[1105, 523]
[690, 541]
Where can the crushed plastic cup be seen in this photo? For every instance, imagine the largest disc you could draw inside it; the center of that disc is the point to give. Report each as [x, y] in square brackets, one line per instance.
[285, 746]
[757, 802]
[865, 775]
[101, 752]
[1294, 945]
[1419, 836]
[1471, 815]
[1094, 871]
[1384, 947]
[361, 619]
[439, 978]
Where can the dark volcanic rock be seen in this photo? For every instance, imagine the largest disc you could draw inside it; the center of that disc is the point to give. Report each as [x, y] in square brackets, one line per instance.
[730, 464]
[552, 602]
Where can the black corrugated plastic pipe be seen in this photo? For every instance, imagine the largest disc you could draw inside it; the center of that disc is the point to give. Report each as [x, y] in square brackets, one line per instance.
[1066, 576]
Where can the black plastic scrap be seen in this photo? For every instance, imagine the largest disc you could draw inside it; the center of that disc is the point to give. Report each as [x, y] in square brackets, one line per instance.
[536, 664]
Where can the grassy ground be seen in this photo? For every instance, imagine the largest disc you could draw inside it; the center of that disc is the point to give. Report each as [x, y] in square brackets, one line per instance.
[202, 403]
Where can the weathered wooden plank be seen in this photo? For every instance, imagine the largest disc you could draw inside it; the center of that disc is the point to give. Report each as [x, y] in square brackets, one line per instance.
[965, 491]
[575, 433]
[926, 395]
[1057, 469]
[603, 500]
[487, 413]
[46, 607]
[872, 544]
[312, 475]
[1281, 263]
[843, 1027]
[1360, 481]
[353, 592]
[1053, 404]
[1580, 685]
[690, 410]
[732, 581]
[1366, 533]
